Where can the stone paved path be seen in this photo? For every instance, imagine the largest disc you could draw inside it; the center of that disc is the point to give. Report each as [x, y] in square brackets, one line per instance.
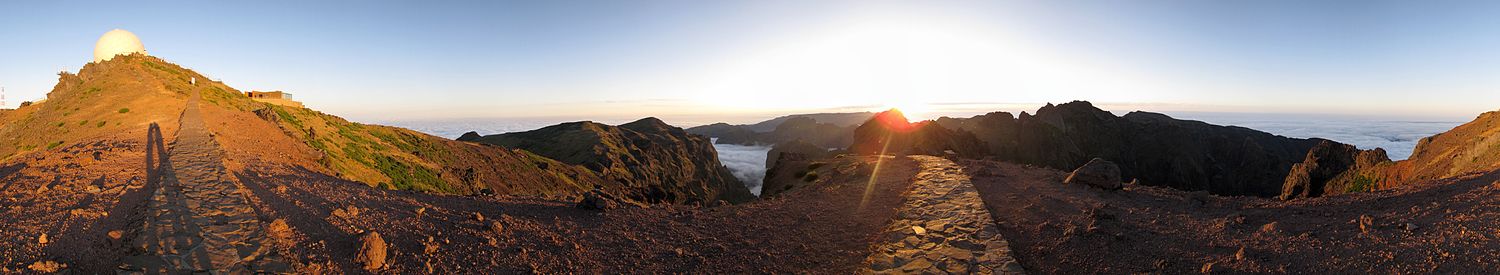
[199, 220]
[943, 228]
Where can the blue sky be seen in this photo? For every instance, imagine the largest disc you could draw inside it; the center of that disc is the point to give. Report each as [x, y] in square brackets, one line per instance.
[693, 62]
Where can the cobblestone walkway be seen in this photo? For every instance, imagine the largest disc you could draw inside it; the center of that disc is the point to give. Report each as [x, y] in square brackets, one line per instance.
[943, 228]
[199, 220]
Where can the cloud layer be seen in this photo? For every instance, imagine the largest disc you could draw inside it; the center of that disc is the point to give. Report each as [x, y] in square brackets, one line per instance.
[748, 163]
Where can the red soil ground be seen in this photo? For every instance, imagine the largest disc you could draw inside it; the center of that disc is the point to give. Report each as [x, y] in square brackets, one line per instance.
[1072, 229]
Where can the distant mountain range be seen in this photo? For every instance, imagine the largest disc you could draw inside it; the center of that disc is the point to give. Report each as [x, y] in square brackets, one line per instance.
[828, 130]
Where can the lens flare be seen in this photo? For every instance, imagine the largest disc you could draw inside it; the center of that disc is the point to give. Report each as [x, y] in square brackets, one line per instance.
[879, 162]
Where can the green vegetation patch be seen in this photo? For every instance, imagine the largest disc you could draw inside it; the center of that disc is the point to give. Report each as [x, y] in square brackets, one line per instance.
[409, 177]
[100, 124]
[1361, 183]
[54, 145]
[124, 110]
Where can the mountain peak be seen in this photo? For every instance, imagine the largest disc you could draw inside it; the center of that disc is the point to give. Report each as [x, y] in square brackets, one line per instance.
[649, 124]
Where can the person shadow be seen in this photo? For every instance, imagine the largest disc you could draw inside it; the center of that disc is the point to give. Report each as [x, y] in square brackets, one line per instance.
[156, 154]
[129, 215]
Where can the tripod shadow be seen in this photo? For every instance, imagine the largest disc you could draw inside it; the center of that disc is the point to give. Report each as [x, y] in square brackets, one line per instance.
[156, 155]
[131, 212]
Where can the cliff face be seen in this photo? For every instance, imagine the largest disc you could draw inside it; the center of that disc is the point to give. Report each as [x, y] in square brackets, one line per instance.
[654, 161]
[1333, 168]
[1469, 148]
[1153, 148]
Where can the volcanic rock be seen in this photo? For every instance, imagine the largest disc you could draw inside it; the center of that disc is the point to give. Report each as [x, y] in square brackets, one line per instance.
[47, 266]
[372, 251]
[785, 175]
[1331, 168]
[596, 201]
[1097, 173]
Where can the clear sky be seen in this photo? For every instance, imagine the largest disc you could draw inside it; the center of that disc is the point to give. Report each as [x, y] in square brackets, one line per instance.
[693, 62]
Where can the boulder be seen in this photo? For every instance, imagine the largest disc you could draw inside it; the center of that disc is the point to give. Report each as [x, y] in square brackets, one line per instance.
[372, 251]
[596, 201]
[1097, 173]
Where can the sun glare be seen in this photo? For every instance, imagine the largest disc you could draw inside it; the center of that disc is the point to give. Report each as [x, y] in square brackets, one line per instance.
[913, 111]
[906, 62]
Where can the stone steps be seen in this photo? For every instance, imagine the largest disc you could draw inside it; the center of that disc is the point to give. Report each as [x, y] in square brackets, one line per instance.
[199, 219]
[942, 228]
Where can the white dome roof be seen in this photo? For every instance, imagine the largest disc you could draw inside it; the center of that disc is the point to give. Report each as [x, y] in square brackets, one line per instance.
[117, 42]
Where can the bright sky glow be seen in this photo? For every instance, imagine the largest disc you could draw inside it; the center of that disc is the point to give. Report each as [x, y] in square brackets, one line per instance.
[696, 62]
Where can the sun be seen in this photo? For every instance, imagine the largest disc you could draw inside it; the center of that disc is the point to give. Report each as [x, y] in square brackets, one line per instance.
[913, 111]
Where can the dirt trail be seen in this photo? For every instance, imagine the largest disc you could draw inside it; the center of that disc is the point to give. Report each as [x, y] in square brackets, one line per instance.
[198, 218]
[943, 227]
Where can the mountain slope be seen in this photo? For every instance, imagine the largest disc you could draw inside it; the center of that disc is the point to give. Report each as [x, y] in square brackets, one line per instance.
[658, 162]
[127, 93]
[1473, 147]
[102, 99]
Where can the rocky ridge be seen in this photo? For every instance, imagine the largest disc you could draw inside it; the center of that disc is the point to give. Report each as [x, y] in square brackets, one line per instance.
[1153, 148]
[1473, 147]
[831, 130]
[653, 161]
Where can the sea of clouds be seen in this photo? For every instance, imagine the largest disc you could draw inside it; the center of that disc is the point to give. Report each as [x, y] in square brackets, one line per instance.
[1397, 136]
[748, 163]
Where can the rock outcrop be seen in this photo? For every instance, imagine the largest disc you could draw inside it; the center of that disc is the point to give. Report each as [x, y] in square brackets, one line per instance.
[372, 251]
[790, 171]
[802, 150]
[1097, 173]
[1332, 168]
[653, 161]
